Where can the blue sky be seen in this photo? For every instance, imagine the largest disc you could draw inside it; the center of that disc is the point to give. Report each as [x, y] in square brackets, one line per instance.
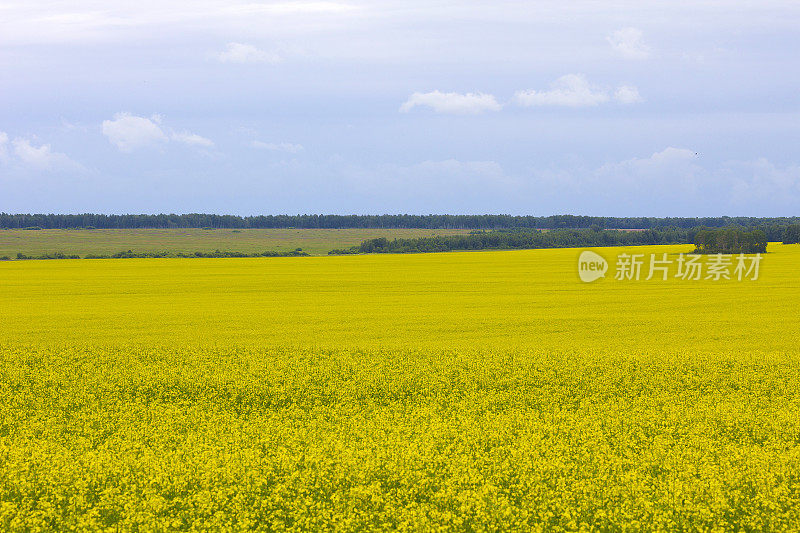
[626, 108]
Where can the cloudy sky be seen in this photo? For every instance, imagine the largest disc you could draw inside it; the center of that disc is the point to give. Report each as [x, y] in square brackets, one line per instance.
[625, 108]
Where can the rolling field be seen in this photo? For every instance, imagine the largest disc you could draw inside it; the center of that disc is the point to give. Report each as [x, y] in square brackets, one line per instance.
[460, 391]
[188, 240]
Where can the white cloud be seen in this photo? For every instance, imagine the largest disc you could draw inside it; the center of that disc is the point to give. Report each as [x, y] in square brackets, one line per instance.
[43, 157]
[246, 53]
[678, 178]
[670, 172]
[664, 162]
[455, 103]
[278, 147]
[629, 44]
[571, 90]
[3, 143]
[129, 132]
[669, 179]
[115, 20]
[666, 157]
[762, 180]
[628, 94]
[671, 154]
[192, 139]
[673, 181]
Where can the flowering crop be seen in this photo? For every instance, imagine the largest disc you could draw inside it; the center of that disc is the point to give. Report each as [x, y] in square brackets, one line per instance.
[474, 391]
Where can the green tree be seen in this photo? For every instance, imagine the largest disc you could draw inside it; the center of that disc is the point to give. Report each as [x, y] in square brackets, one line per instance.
[791, 235]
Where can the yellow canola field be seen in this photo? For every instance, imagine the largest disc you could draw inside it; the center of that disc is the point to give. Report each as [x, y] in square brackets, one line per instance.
[460, 391]
[515, 299]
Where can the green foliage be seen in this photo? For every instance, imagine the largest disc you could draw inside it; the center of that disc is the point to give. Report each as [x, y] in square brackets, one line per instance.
[523, 239]
[57, 255]
[730, 241]
[791, 234]
[200, 220]
[106, 242]
[128, 254]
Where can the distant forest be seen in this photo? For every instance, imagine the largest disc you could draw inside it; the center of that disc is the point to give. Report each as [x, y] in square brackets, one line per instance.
[773, 227]
[520, 240]
[728, 240]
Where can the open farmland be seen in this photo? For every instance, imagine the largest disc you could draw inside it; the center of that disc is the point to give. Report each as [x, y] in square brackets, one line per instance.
[189, 240]
[477, 391]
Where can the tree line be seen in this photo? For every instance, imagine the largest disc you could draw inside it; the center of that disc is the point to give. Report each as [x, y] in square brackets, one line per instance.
[511, 240]
[725, 240]
[730, 241]
[775, 225]
[128, 254]
[791, 235]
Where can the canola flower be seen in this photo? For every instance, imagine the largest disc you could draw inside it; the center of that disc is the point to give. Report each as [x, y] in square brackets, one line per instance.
[365, 393]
